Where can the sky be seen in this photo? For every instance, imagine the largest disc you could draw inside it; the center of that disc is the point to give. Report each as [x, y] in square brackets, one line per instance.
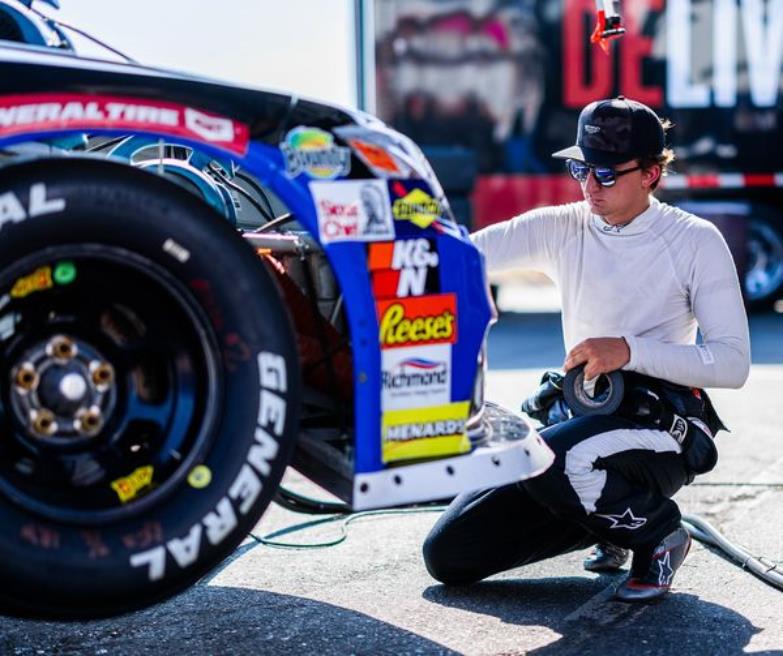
[300, 46]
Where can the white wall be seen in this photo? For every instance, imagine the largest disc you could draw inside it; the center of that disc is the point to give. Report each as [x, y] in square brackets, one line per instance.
[304, 46]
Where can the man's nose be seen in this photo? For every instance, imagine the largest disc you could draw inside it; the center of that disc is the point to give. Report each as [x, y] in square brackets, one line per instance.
[591, 183]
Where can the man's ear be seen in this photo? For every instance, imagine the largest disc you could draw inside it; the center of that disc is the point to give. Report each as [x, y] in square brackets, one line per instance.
[651, 175]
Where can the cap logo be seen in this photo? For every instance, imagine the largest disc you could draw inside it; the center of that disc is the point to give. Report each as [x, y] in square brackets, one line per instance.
[592, 129]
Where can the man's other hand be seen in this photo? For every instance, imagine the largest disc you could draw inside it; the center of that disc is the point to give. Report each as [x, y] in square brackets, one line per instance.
[599, 354]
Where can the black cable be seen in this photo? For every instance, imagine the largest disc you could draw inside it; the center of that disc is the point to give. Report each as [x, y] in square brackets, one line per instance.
[86, 35]
[299, 503]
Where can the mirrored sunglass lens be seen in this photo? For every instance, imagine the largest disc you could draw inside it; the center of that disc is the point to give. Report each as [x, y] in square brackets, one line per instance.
[578, 171]
[605, 176]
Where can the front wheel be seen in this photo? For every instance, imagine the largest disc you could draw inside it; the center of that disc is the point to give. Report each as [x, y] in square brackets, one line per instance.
[148, 394]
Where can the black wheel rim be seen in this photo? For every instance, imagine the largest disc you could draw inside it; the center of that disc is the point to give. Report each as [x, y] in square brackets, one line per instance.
[112, 385]
[764, 272]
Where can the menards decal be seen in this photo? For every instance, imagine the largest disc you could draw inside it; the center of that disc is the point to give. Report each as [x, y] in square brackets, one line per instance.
[425, 432]
[418, 320]
[52, 112]
[407, 267]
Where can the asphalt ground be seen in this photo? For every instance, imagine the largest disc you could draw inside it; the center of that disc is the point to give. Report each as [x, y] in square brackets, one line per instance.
[370, 594]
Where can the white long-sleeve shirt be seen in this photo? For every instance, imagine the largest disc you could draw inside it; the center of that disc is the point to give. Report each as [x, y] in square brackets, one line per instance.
[653, 281]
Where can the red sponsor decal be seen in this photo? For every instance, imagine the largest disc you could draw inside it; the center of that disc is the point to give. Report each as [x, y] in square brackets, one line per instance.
[51, 111]
[418, 320]
[401, 268]
[376, 157]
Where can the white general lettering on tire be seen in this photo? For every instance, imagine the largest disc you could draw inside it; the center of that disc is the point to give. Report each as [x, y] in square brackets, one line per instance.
[243, 491]
[246, 486]
[272, 371]
[185, 550]
[220, 522]
[12, 210]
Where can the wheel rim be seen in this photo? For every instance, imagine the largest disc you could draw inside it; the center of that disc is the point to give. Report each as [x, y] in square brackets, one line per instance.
[111, 394]
[764, 273]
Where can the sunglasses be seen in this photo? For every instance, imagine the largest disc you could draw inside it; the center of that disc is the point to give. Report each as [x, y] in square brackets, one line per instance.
[605, 176]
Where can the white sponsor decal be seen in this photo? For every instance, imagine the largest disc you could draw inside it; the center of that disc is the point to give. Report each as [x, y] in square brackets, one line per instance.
[706, 355]
[217, 524]
[416, 376]
[176, 250]
[353, 210]
[412, 258]
[209, 128]
[12, 210]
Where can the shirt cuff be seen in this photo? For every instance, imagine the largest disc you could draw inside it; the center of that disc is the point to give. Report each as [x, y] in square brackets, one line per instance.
[634, 347]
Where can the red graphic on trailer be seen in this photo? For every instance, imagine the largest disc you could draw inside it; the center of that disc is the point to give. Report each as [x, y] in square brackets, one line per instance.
[52, 112]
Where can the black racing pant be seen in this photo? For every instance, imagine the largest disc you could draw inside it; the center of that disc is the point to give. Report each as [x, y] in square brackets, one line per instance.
[610, 482]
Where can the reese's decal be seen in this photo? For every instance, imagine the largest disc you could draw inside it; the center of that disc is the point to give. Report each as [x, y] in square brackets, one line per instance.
[418, 320]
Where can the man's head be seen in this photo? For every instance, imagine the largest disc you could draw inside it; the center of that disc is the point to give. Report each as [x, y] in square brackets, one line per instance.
[619, 156]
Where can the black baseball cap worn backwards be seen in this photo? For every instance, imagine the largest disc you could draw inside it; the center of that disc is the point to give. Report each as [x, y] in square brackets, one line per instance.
[614, 131]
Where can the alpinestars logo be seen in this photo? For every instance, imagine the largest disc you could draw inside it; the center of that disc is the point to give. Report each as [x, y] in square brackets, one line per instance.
[626, 520]
[665, 569]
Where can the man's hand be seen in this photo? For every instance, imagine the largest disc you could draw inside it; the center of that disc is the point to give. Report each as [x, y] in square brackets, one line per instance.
[601, 355]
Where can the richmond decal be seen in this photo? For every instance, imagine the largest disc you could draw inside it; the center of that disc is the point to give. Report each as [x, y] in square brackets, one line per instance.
[416, 377]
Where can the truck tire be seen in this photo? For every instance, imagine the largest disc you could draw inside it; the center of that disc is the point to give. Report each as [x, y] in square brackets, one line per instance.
[148, 393]
[763, 280]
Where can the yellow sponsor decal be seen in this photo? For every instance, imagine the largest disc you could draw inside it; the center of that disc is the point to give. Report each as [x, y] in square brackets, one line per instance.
[200, 476]
[37, 281]
[418, 320]
[128, 488]
[425, 432]
[418, 207]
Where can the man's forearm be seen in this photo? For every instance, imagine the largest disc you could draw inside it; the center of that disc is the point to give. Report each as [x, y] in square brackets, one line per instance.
[717, 364]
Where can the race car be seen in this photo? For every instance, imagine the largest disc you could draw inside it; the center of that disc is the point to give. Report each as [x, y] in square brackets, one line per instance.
[201, 284]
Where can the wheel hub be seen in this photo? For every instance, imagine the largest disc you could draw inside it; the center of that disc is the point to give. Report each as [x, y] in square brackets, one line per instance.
[62, 388]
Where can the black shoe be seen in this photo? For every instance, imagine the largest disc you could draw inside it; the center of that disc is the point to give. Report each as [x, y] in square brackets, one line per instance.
[606, 558]
[657, 579]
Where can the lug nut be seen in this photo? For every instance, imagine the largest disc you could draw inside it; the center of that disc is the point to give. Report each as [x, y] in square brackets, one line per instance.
[88, 420]
[61, 347]
[43, 423]
[102, 374]
[26, 377]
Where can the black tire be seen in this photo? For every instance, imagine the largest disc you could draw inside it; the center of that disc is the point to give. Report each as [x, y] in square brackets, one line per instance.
[200, 350]
[763, 279]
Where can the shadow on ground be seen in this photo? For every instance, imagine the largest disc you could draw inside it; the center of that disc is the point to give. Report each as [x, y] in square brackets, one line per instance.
[216, 620]
[680, 624]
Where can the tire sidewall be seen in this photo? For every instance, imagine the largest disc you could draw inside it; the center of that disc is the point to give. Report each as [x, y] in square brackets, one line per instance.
[130, 563]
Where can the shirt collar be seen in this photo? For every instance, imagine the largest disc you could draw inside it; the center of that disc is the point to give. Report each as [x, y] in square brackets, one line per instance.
[636, 226]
